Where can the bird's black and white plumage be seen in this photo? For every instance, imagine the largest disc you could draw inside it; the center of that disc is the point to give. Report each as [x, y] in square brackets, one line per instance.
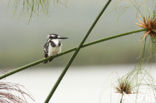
[52, 45]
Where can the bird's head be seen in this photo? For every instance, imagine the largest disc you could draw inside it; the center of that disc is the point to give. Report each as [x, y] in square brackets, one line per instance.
[55, 36]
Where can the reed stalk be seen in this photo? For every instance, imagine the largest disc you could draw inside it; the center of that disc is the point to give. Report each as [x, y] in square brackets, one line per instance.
[75, 53]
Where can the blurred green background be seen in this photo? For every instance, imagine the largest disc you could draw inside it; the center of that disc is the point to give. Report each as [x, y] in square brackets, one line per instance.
[21, 41]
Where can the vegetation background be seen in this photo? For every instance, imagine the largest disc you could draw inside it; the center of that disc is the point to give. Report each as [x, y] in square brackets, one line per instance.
[21, 40]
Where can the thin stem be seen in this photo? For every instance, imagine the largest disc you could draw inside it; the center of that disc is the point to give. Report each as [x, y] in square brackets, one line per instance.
[143, 54]
[68, 51]
[121, 98]
[75, 53]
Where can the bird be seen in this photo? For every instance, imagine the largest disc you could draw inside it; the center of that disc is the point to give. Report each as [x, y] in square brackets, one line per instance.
[52, 46]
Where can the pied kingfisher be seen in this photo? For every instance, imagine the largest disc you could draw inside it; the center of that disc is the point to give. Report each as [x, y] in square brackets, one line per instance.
[52, 46]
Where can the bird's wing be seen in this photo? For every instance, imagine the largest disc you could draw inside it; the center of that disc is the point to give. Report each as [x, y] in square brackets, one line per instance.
[46, 45]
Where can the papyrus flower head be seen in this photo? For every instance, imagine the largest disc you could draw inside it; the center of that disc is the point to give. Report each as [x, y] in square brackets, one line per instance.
[148, 23]
[12, 93]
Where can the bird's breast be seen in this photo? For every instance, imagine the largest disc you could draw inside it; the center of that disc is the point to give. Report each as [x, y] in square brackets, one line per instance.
[53, 50]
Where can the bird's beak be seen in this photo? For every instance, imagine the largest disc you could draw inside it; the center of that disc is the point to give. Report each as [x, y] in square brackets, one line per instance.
[63, 38]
